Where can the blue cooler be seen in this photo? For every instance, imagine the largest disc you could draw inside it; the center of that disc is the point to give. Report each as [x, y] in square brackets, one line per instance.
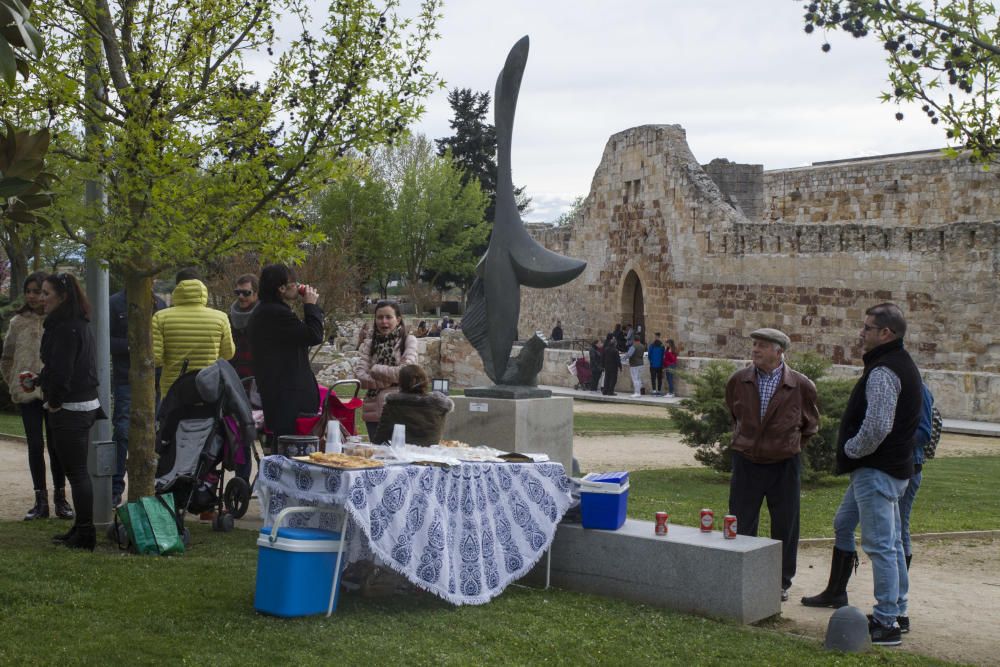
[295, 572]
[603, 500]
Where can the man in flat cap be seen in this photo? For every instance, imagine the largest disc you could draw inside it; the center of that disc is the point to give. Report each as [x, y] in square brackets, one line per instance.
[774, 413]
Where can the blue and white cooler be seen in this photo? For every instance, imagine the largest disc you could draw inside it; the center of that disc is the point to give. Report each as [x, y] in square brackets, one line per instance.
[298, 569]
[603, 500]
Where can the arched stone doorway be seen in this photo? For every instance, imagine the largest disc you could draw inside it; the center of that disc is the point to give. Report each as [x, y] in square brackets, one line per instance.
[633, 304]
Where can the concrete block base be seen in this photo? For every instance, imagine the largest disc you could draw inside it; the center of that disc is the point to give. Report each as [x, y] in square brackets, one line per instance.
[687, 570]
[542, 425]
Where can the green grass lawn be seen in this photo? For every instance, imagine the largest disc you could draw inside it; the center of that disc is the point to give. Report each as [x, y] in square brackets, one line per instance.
[956, 494]
[592, 423]
[10, 423]
[63, 607]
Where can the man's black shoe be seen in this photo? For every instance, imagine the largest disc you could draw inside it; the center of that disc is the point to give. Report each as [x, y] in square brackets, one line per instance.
[883, 635]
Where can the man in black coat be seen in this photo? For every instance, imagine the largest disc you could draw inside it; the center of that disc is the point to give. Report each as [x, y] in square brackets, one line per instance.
[281, 342]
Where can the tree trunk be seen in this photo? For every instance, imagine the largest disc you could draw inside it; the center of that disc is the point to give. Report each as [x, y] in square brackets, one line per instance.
[18, 265]
[142, 379]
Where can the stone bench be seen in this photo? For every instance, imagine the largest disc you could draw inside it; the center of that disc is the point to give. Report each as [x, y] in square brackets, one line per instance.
[688, 571]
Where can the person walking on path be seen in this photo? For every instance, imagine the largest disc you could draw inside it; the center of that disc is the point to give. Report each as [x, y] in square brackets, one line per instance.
[189, 335]
[656, 351]
[875, 446]
[21, 350]
[774, 414]
[69, 383]
[635, 355]
[612, 364]
[121, 390]
[669, 364]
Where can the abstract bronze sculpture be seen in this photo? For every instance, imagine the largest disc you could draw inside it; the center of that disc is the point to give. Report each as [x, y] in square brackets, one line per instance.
[512, 259]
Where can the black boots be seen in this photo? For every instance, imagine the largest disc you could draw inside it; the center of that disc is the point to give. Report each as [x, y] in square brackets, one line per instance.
[62, 538]
[835, 594]
[41, 508]
[85, 537]
[63, 510]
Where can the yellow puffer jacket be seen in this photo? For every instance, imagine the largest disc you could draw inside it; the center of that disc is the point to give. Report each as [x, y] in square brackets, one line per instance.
[189, 330]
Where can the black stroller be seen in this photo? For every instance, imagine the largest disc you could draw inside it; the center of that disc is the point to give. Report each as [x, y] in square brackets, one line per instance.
[204, 428]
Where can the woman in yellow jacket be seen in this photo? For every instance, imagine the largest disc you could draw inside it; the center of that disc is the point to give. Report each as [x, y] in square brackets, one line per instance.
[189, 331]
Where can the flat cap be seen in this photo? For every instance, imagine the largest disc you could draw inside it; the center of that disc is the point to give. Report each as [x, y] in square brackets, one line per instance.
[772, 335]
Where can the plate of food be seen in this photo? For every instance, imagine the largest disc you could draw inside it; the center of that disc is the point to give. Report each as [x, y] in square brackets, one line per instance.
[340, 461]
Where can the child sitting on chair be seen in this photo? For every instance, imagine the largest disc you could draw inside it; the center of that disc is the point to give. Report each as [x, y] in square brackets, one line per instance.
[423, 412]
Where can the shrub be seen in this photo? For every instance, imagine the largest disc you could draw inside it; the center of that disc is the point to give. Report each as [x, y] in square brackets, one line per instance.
[703, 419]
[705, 424]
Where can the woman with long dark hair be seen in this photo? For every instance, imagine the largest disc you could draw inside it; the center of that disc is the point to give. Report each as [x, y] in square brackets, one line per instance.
[382, 354]
[280, 342]
[69, 383]
[21, 350]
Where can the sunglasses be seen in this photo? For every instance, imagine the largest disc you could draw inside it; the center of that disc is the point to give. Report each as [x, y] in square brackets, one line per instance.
[242, 292]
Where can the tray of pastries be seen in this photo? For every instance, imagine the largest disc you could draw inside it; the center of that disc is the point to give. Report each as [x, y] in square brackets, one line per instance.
[340, 461]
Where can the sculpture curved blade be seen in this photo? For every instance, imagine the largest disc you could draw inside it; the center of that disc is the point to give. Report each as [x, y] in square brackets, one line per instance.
[513, 258]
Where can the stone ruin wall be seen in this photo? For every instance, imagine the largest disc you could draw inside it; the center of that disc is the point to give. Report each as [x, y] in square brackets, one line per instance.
[710, 275]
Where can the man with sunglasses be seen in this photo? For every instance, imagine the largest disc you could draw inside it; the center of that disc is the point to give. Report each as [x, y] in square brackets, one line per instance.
[239, 317]
[875, 446]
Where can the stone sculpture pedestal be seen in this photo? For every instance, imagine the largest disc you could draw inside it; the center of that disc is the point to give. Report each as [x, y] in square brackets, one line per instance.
[529, 425]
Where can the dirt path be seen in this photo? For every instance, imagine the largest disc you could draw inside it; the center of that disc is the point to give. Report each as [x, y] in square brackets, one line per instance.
[955, 589]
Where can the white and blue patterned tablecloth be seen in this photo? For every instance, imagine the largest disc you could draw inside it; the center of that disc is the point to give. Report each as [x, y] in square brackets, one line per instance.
[463, 533]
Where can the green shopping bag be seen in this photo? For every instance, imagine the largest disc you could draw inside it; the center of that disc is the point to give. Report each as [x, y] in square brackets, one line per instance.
[151, 525]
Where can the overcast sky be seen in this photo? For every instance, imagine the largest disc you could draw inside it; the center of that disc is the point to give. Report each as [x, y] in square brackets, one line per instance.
[740, 76]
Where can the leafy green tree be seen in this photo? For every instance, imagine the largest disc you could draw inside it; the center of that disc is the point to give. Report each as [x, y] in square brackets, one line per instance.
[25, 188]
[18, 39]
[575, 209]
[204, 152]
[437, 219]
[355, 213]
[703, 419]
[945, 54]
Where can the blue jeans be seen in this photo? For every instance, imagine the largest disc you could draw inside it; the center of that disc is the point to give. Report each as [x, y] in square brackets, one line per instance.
[670, 379]
[906, 506]
[872, 499]
[119, 422]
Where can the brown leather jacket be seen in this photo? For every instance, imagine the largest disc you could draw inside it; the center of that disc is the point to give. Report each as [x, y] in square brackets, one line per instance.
[791, 418]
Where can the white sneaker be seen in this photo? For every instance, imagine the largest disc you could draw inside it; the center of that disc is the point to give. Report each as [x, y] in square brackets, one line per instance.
[670, 395]
[636, 395]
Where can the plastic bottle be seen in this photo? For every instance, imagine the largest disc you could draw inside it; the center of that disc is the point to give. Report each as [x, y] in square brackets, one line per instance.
[334, 441]
[398, 435]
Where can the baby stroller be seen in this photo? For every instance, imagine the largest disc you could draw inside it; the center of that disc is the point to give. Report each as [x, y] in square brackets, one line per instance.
[580, 368]
[204, 428]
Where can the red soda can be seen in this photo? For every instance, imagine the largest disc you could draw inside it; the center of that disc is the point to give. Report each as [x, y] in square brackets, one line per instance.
[729, 527]
[707, 520]
[302, 290]
[662, 523]
[27, 380]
